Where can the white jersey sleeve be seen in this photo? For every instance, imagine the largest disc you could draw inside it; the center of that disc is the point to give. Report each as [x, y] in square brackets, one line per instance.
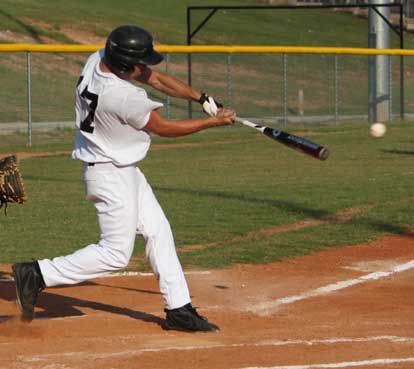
[137, 108]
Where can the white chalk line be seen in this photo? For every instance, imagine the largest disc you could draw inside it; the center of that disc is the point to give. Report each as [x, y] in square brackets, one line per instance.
[128, 274]
[266, 308]
[386, 361]
[274, 343]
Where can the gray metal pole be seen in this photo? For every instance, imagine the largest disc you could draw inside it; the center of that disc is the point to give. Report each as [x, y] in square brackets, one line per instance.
[380, 29]
[402, 88]
[390, 83]
[372, 80]
[29, 99]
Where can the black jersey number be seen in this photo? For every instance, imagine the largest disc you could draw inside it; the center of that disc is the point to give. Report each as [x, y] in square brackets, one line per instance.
[87, 123]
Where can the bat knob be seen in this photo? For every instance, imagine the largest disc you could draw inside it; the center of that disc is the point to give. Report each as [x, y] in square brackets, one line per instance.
[323, 154]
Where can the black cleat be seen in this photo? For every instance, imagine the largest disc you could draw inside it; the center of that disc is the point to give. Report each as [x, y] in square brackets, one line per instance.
[29, 282]
[187, 319]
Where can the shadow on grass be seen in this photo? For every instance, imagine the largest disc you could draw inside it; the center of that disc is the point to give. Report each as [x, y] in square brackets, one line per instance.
[57, 306]
[399, 152]
[318, 214]
[389, 228]
[280, 204]
[29, 29]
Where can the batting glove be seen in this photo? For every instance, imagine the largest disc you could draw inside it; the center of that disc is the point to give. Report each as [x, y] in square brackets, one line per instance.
[210, 106]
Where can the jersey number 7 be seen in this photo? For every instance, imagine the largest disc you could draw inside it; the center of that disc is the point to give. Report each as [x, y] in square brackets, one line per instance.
[87, 123]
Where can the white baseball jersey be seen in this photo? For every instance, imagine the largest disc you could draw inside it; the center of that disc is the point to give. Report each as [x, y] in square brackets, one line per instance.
[111, 114]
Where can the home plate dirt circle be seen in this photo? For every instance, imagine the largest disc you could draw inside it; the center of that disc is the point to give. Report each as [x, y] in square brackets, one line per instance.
[340, 308]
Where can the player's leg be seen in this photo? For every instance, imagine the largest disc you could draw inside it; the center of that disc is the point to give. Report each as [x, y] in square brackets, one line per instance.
[112, 191]
[162, 255]
[160, 247]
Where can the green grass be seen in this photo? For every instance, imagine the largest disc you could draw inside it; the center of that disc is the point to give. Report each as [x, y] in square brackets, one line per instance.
[215, 193]
[168, 23]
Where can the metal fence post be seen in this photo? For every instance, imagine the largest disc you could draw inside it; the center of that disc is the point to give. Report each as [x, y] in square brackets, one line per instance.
[390, 87]
[285, 92]
[336, 89]
[229, 82]
[29, 99]
[190, 80]
[167, 70]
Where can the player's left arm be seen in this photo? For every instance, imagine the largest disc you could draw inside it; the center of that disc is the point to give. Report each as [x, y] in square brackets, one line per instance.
[175, 88]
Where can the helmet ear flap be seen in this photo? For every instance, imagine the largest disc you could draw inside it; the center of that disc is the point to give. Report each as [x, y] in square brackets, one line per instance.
[117, 65]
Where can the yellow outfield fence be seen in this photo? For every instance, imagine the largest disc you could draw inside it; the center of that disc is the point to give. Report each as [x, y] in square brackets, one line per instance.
[213, 49]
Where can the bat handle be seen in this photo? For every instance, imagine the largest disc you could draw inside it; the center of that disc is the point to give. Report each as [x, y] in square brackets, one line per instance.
[245, 122]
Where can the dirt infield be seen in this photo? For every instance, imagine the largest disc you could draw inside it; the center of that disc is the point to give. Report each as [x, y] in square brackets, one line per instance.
[345, 307]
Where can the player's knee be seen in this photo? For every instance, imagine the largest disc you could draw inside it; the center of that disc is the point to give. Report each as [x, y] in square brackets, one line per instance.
[123, 260]
[119, 260]
[160, 230]
[117, 257]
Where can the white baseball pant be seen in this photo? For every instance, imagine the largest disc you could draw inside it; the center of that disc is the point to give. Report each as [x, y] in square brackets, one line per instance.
[126, 206]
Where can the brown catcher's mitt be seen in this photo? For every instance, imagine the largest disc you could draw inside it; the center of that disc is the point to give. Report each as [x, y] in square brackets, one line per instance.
[11, 182]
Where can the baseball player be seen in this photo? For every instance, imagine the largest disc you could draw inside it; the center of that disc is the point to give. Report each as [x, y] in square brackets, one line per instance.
[116, 120]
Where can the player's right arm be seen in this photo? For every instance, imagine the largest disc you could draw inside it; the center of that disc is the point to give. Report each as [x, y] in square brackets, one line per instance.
[176, 128]
[167, 84]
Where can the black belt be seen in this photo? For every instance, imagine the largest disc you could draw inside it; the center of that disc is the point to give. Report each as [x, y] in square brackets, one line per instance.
[91, 164]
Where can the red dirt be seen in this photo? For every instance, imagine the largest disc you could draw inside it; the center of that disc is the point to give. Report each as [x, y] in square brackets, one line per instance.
[115, 322]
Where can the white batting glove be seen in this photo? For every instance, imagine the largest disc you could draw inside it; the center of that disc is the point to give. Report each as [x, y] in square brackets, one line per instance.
[210, 106]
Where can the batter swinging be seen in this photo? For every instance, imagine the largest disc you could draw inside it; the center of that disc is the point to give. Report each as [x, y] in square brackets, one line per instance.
[116, 120]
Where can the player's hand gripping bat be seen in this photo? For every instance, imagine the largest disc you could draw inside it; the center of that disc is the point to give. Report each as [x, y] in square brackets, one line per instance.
[295, 142]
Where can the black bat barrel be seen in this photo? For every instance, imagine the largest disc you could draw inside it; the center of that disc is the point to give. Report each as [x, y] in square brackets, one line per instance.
[298, 143]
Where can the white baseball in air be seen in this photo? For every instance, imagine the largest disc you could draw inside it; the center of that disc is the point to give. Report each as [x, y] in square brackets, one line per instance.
[377, 129]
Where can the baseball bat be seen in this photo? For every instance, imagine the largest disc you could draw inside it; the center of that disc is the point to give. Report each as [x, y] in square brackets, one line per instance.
[295, 142]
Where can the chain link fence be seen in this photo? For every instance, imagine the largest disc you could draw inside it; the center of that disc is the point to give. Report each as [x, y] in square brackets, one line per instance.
[276, 88]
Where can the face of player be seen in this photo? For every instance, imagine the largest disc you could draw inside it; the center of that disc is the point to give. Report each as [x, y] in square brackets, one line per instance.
[139, 70]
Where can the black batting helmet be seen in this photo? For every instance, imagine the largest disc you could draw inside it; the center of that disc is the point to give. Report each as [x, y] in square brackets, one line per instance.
[127, 46]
